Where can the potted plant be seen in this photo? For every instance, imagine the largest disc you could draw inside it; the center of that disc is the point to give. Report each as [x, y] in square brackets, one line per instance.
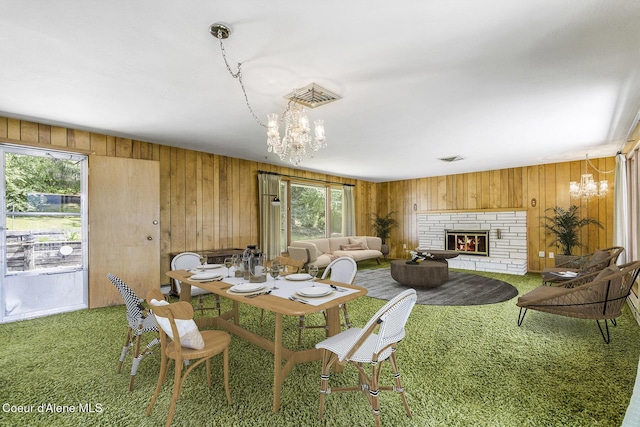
[382, 226]
[565, 225]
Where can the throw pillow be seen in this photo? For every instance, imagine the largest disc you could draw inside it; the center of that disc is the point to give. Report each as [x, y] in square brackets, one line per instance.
[190, 336]
[362, 240]
[354, 247]
[598, 257]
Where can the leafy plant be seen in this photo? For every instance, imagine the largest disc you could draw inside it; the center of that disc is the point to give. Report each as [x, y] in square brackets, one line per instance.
[565, 225]
[382, 225]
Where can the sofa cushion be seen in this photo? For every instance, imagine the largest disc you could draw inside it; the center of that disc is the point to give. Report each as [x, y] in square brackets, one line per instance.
[359, 255]
[359, 240]
[336, 242]
[353, 247]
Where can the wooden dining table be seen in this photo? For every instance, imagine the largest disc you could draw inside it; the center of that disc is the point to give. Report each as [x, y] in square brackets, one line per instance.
[281, 306]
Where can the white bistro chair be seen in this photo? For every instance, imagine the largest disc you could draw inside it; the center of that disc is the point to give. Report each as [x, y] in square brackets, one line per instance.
[341, 270]
[186, 261]
[359, 346]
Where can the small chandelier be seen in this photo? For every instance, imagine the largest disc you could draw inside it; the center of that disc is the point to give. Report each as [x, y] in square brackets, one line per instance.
[588, 187]
[297, 143]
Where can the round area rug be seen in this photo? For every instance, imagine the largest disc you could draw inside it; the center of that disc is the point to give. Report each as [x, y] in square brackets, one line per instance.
[461, 289]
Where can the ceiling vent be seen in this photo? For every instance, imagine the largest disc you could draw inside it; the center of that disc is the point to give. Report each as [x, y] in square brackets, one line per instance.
[451, 159]
[312, 96]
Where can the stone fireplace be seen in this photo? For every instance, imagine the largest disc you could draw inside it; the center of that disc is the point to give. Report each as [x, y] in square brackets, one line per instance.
[504, 249]
[474, 242]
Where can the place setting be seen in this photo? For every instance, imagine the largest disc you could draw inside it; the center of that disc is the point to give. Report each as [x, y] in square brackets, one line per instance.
[249, 289]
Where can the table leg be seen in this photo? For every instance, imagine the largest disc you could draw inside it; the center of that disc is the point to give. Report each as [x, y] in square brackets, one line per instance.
[185, 292]
[277, 363]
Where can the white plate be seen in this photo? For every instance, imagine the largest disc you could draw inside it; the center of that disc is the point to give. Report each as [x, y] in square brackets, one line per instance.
[315, 291]
[208, 266]
[247, 287]
[206, 276]
[298, 276]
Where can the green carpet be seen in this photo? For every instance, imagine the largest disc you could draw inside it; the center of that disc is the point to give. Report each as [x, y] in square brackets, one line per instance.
[461, 366]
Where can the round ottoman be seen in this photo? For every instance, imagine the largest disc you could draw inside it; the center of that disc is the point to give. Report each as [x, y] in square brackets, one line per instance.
[426, 274]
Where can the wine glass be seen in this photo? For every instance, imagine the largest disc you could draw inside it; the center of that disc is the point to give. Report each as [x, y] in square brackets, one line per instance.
[228, 262]
[274, 271]
[313, 272]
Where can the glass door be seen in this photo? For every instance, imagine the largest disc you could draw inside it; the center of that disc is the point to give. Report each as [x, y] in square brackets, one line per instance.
[44, 233]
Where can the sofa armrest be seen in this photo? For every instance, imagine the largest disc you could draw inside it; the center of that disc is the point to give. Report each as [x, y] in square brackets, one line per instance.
[298, 253]
[312, 250]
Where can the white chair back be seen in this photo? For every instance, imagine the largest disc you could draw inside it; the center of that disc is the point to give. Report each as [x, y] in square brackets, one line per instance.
[185, 261]
[341, 270]
[391, 318]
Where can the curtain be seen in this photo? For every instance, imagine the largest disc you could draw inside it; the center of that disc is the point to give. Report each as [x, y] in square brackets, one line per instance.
[348, 211]
[268, 187]
[621, 208]
[633, 173]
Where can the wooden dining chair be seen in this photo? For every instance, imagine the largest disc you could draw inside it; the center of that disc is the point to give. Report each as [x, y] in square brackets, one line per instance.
[181, 341]
[290, 265]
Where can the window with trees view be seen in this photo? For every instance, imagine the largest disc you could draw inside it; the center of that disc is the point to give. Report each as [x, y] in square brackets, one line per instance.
[43, 212]
[315, 212]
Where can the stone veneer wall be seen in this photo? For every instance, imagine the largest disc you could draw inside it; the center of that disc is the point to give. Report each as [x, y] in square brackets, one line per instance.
[506, 255]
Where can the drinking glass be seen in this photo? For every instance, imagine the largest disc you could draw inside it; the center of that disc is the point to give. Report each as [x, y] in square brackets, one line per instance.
[313, 272]
[228, 262]
[274, 271]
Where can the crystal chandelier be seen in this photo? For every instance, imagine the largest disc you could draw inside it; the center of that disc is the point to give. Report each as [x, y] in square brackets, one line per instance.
[297, 143]
[588, 187]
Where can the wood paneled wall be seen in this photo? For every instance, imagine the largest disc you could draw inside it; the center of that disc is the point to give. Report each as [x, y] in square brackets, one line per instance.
[210, 201]
[503, 189]
[207, 201]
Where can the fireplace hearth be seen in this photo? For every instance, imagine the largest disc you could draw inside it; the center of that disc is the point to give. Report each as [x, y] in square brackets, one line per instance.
[469, 242]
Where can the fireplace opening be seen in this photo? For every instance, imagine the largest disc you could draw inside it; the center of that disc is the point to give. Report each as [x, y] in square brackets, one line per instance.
[474, 242]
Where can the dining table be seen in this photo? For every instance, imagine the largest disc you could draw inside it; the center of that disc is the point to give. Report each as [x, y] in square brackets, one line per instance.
[286, 300]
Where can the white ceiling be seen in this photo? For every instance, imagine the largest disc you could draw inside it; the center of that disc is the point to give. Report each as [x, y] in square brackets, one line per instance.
[501, 83]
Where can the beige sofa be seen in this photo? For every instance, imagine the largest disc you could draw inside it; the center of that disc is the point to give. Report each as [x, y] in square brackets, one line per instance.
[320, 252]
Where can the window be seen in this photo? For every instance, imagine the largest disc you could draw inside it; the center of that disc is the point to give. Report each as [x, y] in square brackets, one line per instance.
[310, 211]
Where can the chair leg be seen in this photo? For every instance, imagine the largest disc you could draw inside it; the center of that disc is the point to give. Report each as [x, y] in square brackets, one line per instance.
[161, 376]
[347, 322]
[606, 338]
[218, 305]
[324, 381]
[208, 365]
[521, 315]
[398, 385]
[136, 354]
[177, 388]
[136, 362]
[225, 363]
[301, 326]
[125, 350]
[374, 391]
